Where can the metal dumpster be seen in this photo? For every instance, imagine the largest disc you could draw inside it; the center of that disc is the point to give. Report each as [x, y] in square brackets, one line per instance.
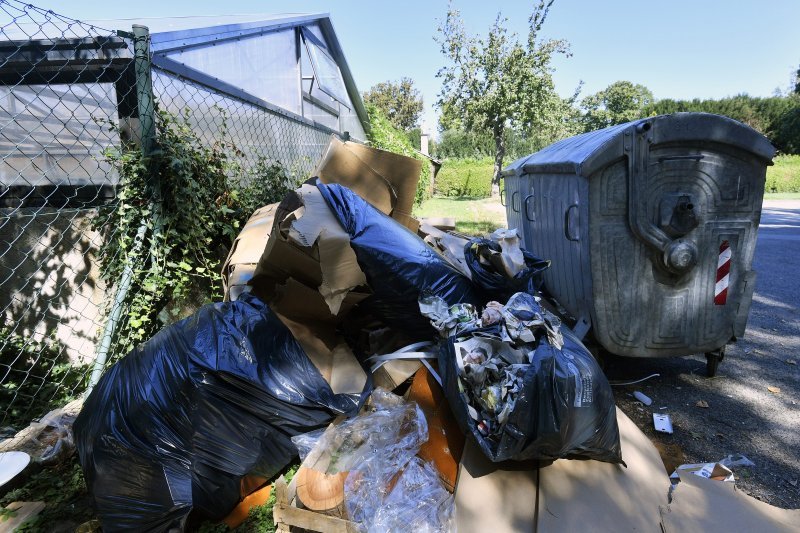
[651, 227]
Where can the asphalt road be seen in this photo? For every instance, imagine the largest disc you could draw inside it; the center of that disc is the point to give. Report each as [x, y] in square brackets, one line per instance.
[743, 415]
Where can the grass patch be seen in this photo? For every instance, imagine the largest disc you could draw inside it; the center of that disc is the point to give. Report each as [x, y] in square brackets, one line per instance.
[782, 196]
[465, 178]
[474, 216]
[784, 175]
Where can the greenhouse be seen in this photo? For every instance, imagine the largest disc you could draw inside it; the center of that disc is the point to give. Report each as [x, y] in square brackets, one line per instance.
[267, 92]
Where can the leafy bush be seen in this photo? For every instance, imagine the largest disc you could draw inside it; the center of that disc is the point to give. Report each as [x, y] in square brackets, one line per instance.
[384, 136]
[465, 177]
[784, 176]
[777, 117]
[176, 246]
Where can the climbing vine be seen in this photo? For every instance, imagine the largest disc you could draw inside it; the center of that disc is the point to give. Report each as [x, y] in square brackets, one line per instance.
[171, 250]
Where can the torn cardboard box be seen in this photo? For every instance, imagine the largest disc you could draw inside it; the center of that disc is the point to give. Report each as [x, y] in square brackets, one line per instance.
[714, 471]
[246, 251]
[310, 246]
[386, 180]
[701, 504]
[309, 275]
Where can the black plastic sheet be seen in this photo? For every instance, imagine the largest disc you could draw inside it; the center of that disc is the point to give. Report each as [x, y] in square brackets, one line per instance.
[492, 282]
[565, 407]
[398, 265]
[174, 426]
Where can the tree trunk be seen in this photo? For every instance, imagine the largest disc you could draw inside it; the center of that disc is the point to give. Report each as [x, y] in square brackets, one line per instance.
[499, 155]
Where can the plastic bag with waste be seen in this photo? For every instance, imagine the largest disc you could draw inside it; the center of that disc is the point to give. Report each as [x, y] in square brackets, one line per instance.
[399, 266]
[418, 502]
[526, 388]
[501, 268]
[386, 488]
[175, 425]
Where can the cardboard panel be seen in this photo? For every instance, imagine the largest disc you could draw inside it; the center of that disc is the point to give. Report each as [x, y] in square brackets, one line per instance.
[495, 497]
[700, 504]
[585, 495]
[386, 180]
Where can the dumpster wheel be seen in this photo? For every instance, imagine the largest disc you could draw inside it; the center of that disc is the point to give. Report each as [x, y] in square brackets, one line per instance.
[712, 361]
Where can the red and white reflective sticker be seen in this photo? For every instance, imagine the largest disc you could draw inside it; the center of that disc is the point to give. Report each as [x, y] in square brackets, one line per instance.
[723, 274]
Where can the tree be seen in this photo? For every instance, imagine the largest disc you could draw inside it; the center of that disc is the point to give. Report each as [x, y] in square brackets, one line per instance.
[495, 83]
[622, 101]
[796, 81]
[400, 102]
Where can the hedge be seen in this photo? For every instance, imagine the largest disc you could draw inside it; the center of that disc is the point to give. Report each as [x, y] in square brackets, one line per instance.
[465, 177]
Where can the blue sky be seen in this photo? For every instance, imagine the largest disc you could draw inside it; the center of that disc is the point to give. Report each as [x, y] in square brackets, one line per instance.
[677, 48]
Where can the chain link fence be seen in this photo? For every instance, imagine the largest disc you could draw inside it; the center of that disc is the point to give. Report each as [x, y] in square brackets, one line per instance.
[70, 94]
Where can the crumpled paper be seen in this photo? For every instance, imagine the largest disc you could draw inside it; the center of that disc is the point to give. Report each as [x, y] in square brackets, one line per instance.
[492, 365]
[449, 320]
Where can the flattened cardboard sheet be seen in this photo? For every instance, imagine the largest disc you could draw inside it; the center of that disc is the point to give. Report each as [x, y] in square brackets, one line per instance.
[700, 504]
[316, 334]
[583, 495]
[386, 180]
[495, 497]
[566, 495]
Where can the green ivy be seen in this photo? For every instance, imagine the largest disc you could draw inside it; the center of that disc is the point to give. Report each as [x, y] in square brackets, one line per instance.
[206, 197]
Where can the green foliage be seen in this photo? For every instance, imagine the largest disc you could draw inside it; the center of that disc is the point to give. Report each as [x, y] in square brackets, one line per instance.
[458, 143]
[776, 116]
[465, 177]
[386, 137]
[620, 102]
[796, 82]
[206, 196]
[63, 490]
[38, 377]
[784, 176]
[785, 131]
[400, 102]
[494, 83]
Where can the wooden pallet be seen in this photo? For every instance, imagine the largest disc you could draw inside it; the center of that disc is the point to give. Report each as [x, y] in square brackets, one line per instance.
[286, 514]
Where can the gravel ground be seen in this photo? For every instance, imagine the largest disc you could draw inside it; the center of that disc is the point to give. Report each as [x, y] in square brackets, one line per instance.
[743, 416]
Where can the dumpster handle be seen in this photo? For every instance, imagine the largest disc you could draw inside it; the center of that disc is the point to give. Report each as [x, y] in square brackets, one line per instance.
[503, 196]
[568, 224]
[514, 195]
[678, 256]
[525, 203]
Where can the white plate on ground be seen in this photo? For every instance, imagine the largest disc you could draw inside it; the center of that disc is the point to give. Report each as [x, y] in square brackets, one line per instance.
[11, 464]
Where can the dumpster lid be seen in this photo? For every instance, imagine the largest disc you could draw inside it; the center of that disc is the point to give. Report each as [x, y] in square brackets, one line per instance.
[585, 153]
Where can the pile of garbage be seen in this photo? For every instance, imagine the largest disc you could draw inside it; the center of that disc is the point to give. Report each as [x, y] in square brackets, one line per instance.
[337, 295]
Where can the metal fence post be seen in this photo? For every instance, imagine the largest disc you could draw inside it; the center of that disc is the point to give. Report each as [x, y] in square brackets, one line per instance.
[147, 139]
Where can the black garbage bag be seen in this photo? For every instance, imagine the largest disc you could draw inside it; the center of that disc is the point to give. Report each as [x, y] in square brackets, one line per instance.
[556, 404]
[492, 281]
[398, 265]
[174, 426]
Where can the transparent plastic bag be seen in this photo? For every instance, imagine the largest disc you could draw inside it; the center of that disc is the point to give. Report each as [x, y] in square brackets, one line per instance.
[418, 502]
[383, 437]
[385, 484]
